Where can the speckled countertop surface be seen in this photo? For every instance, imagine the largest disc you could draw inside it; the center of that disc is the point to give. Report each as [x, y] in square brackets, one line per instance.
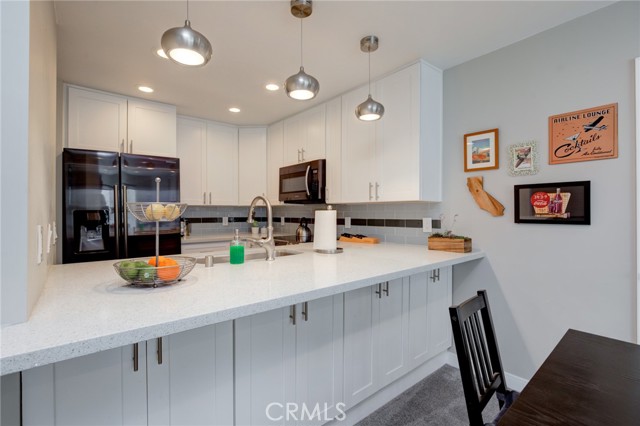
[85, 307]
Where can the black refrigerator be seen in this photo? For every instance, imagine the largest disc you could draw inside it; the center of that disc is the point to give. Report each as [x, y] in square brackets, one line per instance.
[96, 188]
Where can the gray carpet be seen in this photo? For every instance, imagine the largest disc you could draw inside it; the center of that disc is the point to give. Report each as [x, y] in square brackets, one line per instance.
[437, 400]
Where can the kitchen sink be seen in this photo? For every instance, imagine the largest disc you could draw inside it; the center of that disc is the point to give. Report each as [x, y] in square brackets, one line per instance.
[260, 255]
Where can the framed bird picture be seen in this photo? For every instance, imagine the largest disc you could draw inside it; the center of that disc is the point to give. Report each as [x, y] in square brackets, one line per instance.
[523, 159]
[585, 135]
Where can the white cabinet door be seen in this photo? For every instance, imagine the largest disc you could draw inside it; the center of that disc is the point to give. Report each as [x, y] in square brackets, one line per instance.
[333, 191]
[398, 136]
[151, 128]
[192, 382]
[222, 165]
[192, 150]
[319, 363]
[275, 160]
[252, 164]
[97, 389]
[96, 120]
[314, 133]
[430, 296]
[361, 317]
[304, 136]
[393, 331]
[358, 151]
[439, 300]
[265, 363]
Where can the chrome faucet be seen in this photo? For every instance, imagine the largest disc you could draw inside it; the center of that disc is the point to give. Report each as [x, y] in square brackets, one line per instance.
[268, 243]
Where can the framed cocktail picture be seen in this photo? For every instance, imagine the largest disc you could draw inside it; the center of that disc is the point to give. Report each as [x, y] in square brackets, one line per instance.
[553, 203]
[481, 150]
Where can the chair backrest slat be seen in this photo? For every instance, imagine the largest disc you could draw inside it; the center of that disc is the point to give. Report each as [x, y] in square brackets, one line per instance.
[478, 354]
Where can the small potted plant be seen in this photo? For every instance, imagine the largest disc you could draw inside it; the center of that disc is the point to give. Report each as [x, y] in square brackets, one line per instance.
[448, 241]
[255, 228]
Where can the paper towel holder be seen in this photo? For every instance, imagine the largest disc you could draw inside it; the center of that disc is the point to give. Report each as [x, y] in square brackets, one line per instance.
[323, 251]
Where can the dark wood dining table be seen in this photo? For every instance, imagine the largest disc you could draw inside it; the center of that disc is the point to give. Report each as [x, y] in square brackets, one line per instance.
[586, 380]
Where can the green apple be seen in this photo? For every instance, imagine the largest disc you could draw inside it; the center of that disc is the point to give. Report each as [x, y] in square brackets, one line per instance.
[146, 273]
[129, 269]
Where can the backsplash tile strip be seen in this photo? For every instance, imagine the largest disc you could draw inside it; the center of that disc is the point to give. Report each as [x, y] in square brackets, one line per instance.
[414, 223]
[396, 223]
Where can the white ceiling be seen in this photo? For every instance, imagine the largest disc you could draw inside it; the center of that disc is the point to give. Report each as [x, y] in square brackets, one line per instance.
[110, 45]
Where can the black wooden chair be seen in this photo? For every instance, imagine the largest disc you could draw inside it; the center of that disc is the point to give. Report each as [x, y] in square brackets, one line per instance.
[479, 358]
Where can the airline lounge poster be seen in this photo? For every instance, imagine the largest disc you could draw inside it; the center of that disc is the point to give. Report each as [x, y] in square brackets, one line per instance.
[588, 134]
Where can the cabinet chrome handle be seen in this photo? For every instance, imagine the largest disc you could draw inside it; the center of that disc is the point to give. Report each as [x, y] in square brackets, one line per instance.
[131, 147]
[122, 146]
[433, 276]
[386, 288]
[159, 350]
[305, 311]
[209, 197]
[125, 220]
[377, 186]
[437, 274]
[379, 291]
[292, 314]
[299, 160]
[302, 151]
[370, 188]
[135, 357]
[116, 208]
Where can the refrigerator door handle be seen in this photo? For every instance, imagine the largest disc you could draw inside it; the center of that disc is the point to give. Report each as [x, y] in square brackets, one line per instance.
[125, 221]
[116, 204]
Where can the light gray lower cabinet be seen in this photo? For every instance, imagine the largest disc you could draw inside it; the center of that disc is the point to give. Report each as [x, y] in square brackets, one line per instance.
[289, 364]
[185, 380]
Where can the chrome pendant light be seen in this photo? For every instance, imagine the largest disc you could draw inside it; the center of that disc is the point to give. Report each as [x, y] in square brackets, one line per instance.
[186, 46]
[301, 86]
[369, 110]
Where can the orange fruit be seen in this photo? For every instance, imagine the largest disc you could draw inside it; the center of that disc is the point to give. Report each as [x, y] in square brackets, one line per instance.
[167, 268]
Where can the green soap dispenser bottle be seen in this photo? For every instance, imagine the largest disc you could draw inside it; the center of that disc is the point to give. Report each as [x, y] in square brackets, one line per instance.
[236, 250]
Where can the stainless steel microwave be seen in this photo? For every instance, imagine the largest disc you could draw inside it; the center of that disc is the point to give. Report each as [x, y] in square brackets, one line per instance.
[303, 183]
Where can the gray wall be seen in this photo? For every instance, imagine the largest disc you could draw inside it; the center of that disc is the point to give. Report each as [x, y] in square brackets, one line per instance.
[544, 279]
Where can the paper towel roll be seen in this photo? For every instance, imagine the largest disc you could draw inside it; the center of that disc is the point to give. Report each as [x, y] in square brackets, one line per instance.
[326, 231]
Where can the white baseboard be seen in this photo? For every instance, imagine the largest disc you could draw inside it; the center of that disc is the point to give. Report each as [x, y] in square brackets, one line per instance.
[513, 382]
[380, 398]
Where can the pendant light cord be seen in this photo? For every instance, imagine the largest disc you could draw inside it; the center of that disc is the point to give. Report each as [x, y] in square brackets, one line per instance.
[188, 10]
[301, 36]
[369, 50]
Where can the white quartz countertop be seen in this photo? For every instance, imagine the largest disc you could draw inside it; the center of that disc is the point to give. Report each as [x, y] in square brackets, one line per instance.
[86, 307]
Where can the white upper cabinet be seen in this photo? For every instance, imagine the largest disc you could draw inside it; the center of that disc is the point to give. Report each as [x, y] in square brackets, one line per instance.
[107, 122]
[399, 157]
[275, 160]
[333, 191]
[304, 136]
[151, 128]
[252, 165]
[222, 165]
[192, 151]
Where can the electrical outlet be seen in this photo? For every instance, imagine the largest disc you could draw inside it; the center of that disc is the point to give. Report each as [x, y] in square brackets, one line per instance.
[49, 237]
[347, 222]
[426, 224]
[225, 220]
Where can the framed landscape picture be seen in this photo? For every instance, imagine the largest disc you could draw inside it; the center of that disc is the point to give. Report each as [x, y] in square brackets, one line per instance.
[566, 203]
[481, 150]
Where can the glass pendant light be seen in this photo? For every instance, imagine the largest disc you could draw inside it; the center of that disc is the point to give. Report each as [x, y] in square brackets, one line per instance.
[369, 110]
[301, 86]
[185, 45]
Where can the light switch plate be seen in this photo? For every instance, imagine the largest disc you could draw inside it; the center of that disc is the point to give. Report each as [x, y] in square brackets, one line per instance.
[347, 222]
[49, 237]
[426, 224]
[225, 220]
[39, 244]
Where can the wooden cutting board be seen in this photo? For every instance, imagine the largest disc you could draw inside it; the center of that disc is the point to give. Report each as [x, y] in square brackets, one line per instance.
[365, 240]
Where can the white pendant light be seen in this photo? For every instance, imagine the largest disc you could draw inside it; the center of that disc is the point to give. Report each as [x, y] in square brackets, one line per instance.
[369, 110]
[301, 86]
[185, 45]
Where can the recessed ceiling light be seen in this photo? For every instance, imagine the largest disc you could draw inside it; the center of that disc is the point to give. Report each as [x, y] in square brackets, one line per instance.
[234, 109]
[272, 87]
[145, 89]
[161, 53]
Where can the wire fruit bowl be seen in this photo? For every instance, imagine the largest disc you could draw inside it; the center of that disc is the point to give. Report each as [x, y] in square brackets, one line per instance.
[143, 272]
[156, 211]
